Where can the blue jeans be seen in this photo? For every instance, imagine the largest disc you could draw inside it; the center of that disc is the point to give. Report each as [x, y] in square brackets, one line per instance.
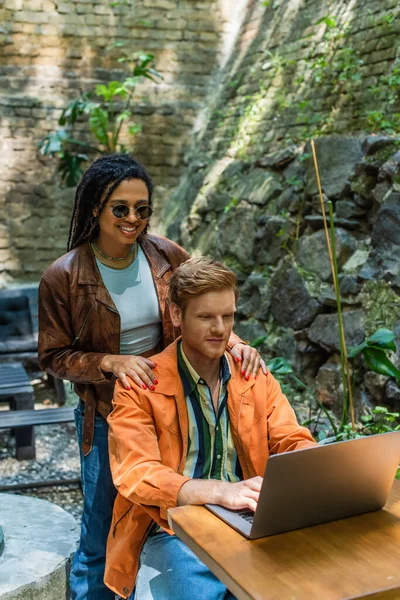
[99, 493]
[169, 570]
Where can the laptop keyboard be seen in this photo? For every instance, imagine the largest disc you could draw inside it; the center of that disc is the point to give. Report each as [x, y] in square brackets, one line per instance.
[248, 515]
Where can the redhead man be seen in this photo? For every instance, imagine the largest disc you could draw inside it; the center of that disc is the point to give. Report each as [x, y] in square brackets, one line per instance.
[203, 435]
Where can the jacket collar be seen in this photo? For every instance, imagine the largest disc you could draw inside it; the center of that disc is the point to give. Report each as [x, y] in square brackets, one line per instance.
[158, 262]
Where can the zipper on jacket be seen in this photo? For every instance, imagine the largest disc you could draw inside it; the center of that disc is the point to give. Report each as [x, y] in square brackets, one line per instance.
[81, 328]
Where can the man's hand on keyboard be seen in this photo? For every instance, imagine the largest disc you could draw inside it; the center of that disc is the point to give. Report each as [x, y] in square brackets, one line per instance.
[243, 494]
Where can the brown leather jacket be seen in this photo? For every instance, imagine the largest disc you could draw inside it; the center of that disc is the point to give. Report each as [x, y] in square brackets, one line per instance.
[79, 323]
[78, 316]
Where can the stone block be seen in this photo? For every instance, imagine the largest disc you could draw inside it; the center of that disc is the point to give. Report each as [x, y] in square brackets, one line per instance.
[324, 331]
[312, 252]
[85, 9]
[14, 4]
[48, 6]
[337, 157]
[64, 7]
[163, 4]
[197, 25]
[31, 17]
[386, 231]
[291, 303]
[100, 9]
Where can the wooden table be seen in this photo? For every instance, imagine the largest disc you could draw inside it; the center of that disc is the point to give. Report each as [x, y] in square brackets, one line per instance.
[358, 557]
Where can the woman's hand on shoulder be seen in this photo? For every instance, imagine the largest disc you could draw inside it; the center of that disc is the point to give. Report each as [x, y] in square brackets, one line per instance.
[250, 359]
[129, 368]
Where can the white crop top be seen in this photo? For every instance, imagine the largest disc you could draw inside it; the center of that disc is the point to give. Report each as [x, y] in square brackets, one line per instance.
[134, 295]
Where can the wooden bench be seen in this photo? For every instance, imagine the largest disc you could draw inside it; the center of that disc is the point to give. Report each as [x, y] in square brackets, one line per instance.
[16, 389]
[23, 422]
[19, 330]
[46, 416]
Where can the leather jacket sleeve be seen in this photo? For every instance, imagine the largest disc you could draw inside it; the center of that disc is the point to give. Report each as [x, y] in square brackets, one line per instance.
[56, 341]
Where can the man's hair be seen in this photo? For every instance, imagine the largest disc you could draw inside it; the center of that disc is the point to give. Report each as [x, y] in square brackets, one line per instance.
[94, 190]
[199, 276]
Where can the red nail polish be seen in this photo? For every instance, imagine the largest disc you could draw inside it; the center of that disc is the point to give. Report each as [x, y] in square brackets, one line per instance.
[155, 381]
[144, 387]
[247, 377]
[129, 388]
[153, 387]
[242, 372]
[237, 359]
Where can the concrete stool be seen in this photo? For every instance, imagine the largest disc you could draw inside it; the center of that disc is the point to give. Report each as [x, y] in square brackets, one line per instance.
[39, 539]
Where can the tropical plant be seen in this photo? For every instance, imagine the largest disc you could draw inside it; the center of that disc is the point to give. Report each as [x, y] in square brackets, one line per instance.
[106, 108]
[374, 349]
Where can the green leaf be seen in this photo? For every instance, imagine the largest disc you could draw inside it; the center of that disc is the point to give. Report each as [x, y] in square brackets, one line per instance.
[125, 114]
[114, 88]
[99, 125]
[258, 341]
[134, 129]
[70, 168]
[353, 351]
[378, 362]
[279, 366]
[53, 143]
[383, 338]
[117, 44]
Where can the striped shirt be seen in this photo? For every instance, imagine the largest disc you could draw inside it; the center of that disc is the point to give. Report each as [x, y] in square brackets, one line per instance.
[211, 450]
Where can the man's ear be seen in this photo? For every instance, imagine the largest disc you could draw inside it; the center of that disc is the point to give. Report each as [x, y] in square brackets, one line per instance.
[176, 314]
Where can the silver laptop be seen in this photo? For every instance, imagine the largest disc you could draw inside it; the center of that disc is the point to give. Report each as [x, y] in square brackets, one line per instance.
[320, 484]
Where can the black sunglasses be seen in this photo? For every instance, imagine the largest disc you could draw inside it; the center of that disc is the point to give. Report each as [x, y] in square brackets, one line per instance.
[121, 211]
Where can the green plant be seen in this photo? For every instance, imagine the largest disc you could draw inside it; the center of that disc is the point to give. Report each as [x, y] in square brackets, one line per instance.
[380, 420]
[377, 121]
[231, 204]
[374, 349]
[106, 108]
[257, 342]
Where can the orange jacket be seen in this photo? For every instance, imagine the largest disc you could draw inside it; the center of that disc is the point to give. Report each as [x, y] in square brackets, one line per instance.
[148, 445]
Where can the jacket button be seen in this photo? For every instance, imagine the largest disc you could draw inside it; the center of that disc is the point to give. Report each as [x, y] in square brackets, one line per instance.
[87, 440]
[126, 590]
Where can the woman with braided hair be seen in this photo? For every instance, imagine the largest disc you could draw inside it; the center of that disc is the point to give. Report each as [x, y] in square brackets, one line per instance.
[103, 312]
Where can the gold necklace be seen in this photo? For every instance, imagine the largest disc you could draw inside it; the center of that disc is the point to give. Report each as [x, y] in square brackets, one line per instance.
[112, 257]
[134, 253]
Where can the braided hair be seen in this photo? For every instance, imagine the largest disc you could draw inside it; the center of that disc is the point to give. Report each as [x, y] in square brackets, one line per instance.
[94, 190]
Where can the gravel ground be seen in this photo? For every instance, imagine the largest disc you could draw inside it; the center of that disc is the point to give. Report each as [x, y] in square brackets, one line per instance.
[57, 455]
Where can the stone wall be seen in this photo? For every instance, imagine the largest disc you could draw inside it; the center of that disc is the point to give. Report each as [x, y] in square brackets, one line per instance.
[49, 50]
[330, 71]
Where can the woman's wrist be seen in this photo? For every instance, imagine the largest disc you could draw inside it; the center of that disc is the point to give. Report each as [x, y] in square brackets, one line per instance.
[105, 364]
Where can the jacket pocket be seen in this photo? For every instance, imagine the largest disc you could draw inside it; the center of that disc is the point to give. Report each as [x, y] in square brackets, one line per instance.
[81, 328]
[120, 519]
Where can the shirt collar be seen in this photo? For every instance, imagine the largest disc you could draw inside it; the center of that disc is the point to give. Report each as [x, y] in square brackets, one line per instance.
[189, 376]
